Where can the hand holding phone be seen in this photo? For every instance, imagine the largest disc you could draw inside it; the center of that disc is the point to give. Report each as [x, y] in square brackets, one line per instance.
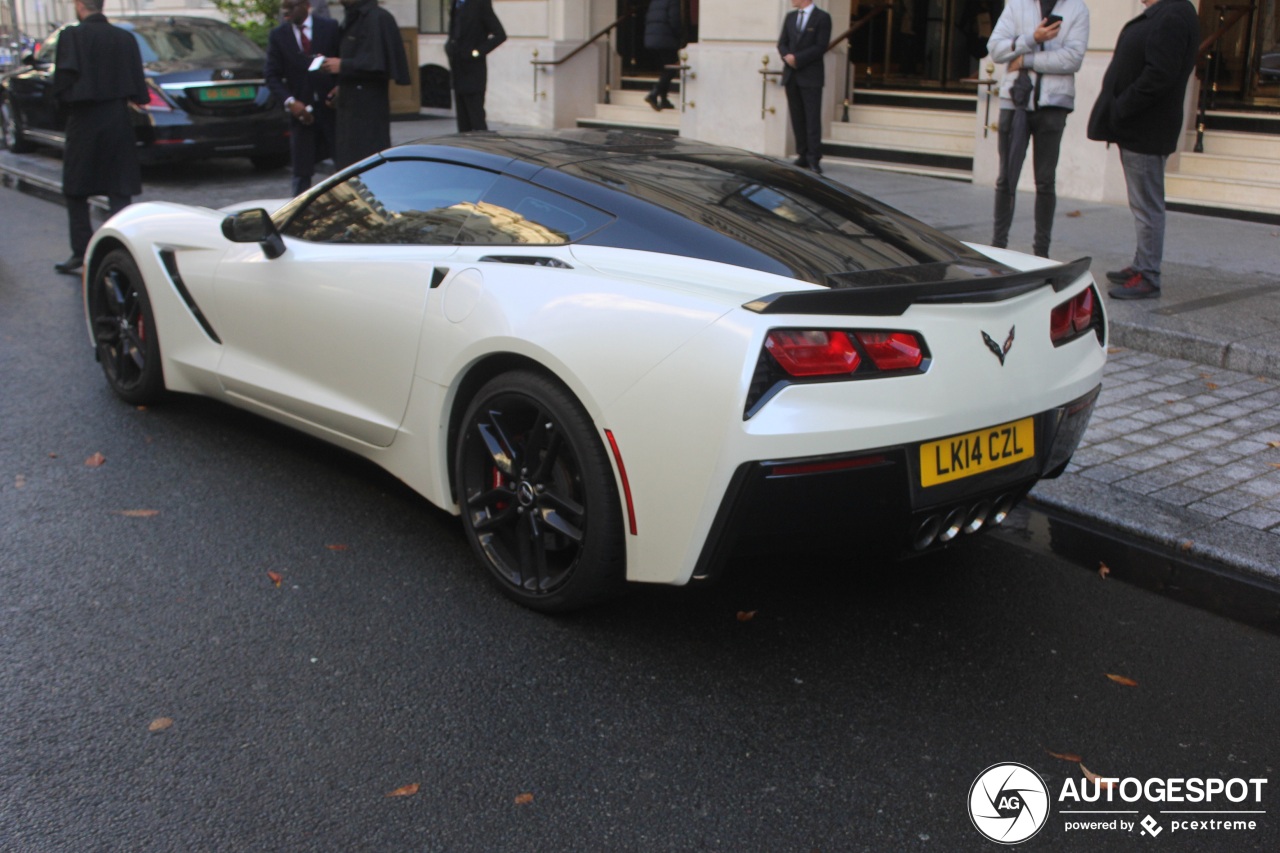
[1050, 20]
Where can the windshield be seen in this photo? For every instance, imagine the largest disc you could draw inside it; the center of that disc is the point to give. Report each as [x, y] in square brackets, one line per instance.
[197, 44]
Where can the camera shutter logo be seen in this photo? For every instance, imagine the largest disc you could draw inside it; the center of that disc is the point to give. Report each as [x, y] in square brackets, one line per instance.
[1009, 803]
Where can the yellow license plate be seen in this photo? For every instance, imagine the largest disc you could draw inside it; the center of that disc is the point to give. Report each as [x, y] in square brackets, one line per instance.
[227, 93]
[977, 452]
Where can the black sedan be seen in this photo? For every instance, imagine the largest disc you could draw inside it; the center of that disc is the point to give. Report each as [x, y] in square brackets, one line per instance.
[208, 96]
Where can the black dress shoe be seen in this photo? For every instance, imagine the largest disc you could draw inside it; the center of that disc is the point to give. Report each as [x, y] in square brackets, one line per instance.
[667, 105]
[817, 170]
[801, 162]
[652, 100]
[70, 265]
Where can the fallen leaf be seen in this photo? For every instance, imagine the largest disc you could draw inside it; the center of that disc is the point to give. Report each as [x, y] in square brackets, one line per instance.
[1114, 350]
[276, 578]
[97, 460]
[746, 615]
[1073, 213]
[159, 724]
[524, 799]
[141, 408]
[1273, 444]
[1120, 679]
[1095, 778]
[336, 547]
[1187, 545]
[1212, 386]
[19, 481]
[53, 456]
[1103, 570]
[1274, 464]
[405, 790]
[1065, 756]
[137, 513]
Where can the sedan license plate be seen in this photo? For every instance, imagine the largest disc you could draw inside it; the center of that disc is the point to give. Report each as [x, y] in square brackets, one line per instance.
[219, 94]
[976, 452]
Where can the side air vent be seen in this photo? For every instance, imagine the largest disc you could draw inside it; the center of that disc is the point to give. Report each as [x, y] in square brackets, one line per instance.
[170, 261]
[528, 260]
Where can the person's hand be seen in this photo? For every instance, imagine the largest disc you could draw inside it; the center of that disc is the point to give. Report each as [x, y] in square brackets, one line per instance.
[790, 59]
[332, 64]
[1046, 31]
[1016, 64]
[297, 109]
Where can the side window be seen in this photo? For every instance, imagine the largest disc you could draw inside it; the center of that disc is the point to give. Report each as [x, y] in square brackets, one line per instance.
[514, 212]
[397, 202]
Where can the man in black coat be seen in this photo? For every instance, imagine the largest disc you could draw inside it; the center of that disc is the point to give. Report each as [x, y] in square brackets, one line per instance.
[1140, 109]
[290, 50]
[97, 73]
[662, 36]
[803, 43]
[474, 31]
[370, 55]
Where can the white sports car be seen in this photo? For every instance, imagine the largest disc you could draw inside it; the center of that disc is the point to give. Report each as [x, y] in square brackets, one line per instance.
[618, 356]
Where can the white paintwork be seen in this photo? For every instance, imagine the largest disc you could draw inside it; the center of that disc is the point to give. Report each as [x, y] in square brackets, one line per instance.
[351, 344]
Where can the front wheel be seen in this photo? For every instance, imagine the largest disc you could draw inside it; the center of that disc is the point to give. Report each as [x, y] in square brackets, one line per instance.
[124, 329]
[538, 497]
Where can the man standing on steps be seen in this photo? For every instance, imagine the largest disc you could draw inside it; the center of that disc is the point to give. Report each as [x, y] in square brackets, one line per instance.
[662, 36]
[1140, 109]
[806, 32]
[98, 72]
[1044, 43]
[474, 31]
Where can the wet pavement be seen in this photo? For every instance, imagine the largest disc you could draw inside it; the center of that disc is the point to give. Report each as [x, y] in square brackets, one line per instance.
[1184, 449]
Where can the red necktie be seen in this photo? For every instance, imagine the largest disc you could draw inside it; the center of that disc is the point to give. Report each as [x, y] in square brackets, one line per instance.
[306, 42]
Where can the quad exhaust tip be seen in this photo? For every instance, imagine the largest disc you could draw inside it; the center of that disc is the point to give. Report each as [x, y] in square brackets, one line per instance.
[942, 529]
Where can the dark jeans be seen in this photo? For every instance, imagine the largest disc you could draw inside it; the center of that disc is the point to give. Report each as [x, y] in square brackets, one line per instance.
[78, 219]
[1046, 125]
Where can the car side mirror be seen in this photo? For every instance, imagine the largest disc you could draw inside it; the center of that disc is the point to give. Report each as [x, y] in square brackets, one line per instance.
[254, 226]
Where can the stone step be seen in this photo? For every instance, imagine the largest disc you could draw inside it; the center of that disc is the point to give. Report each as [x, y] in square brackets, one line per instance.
[636, 115]
[907, 117]
[933, 140]
[1260, 196]
[1253, 169]
[1229, 143]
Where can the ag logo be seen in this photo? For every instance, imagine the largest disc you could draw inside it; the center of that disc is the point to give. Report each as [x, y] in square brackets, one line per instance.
[1008, 803]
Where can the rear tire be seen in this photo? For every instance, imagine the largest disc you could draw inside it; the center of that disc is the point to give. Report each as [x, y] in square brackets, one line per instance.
[124, 330]
[539, 502]
[11, 130]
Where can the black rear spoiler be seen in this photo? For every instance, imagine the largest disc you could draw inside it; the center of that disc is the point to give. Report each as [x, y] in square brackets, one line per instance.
[889, 293]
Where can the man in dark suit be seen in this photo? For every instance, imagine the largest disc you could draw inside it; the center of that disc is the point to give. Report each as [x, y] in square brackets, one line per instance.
[803, 43]
[474, 31]
[290, 50]
[98, 72]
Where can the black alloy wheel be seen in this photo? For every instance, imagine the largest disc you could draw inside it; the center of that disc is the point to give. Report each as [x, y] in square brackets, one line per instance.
[124, 330]
[538, 496]
[11, 129]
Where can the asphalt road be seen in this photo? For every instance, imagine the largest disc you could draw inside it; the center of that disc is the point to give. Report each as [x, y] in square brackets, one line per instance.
[853, 711]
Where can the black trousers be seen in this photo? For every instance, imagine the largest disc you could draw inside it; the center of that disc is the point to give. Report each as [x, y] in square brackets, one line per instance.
[1046, 124]
[469, 107]
[804, 103]
[78, 219]
[309, 144]
[663, 86]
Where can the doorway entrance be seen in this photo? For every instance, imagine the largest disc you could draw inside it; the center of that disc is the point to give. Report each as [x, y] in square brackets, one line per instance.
[1246, 58]
[934, 45]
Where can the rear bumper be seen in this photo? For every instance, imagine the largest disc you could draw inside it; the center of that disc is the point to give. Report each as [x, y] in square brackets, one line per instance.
[872, 504]
[181, 137]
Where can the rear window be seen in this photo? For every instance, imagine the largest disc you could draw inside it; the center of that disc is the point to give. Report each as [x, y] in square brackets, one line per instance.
[198, 44]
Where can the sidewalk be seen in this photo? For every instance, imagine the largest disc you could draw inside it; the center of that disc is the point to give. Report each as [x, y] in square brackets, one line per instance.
[1184, 447]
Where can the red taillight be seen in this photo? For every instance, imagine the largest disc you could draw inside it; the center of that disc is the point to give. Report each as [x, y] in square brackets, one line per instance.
[812, 352]
[892, 350]
[1083, 309]
[1072, 317]
[156, 102]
